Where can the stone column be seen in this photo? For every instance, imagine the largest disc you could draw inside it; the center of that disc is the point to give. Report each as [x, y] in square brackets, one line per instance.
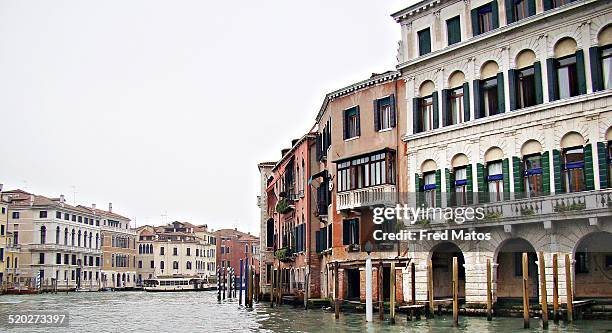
[541, 56]
[585, 40]
[466, 21]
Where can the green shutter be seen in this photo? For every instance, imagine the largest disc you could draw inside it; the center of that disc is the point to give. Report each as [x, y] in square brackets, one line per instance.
[509, 11]
[446, 115]
[531, 7]
[537, 68]
[545, 172]
[434, 98]
[376, 114]
[393, 110]
[551, 74]
[547, 4]
[495, 10]
[416, 125]
[501, 101]
[453, 28]
[513, 88]
[596, 73]
[424, 41]
[438, 188]
[589, 174]
[506, 174]
[475, 26]
[602, 156]
[418, 183]
[481, 180]
[477, 104]
[358, 122]
[517, 172]
[450, 182]
[470, 184]
[556, 159]
[581, 72]
[466, 101]
[447, 176]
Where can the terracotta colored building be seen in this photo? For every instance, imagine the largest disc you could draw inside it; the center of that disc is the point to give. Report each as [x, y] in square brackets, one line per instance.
[233, 245]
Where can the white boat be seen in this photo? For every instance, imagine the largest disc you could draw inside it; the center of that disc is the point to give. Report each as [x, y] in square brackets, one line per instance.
[176, 284]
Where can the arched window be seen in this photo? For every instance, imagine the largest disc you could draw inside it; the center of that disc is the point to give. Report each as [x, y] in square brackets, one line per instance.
[79, 239]
[459, 179]
[573, 162]
[73, 237]
[175, 265]
[85, 239]
[161, 265]
[601, 60]
[430, 182]
[140, 249]
[566, 70]
[97, 241]
[43, 234]
[65, 236]
[425, 108]
[456, 108]
[489, 91]
[57, 235]
[494, 159]
[90, 237]
[189, 265]
[531, 169]
[525, 81]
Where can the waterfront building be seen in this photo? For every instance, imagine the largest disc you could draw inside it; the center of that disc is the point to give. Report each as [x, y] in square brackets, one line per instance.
[291, 226]
[145, 262]
[3, 240]
[233, 245]
[118, 242]
[208, 252]
[266, 230]
[511, 101]
[52, 241]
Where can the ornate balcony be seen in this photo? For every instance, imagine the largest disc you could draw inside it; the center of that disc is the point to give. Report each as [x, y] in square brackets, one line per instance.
[365, 197]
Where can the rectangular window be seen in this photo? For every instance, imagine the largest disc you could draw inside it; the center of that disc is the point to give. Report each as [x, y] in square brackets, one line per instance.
[15, 237]
[456, 105]
[526, 88]
[161, 251]
[567, 77]
[424, 37]
[152, 264]
[495, 180]
[15, 215]
[350, 232]
[42, 214]
[189, 251]
[489, 97]
[559, 3]
[606, 66]
[533, 175]
[485, 18]
[66, 216]
[372, 170]
[58, 215]
[573, 169]
[175, 251]
[383, 113]
[520, 9]
[58, 258]
[453, 29]
[427, 113]
[41, 258]
[351, 123]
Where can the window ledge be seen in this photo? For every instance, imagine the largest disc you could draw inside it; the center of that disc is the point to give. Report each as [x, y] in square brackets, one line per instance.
[352, 139]
[385, 130]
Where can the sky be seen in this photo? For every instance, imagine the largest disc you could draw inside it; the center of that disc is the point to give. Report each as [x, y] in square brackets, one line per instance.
[164, 108]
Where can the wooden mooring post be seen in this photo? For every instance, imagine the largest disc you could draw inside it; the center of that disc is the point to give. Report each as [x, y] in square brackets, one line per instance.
[392, 294]
[455, 292]
[240, 284]
[543, 293]
[489, 292]
[555, 288]
[272, 287]
[336, 292]
[525, 290]
[430, 291]
[413, 284]
[381, 299]
[568, 287]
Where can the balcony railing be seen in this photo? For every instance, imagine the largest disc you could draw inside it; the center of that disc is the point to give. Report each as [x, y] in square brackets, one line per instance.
[66, 248]
[364, 197]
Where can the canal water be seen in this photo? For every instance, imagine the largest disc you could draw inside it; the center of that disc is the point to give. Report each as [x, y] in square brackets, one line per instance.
[200, 312]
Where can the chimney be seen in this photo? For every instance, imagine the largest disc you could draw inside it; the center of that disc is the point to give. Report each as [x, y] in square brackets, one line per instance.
[93, 206]
[110, 207]
[62, 200]
[31, 200]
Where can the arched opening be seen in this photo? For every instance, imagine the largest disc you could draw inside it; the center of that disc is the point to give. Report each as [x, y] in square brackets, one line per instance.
[525, 81]
[531, 169]
[427, 108]
[490, 96]
[43, 234]
[567, 69]
[509, 261]
[604, 40]
[456, 100]
[574, 180]
[57, 235]
[494, 163]
[270, 233]
[442, 265]
[429, 182]
[458, 181]
[593, 266]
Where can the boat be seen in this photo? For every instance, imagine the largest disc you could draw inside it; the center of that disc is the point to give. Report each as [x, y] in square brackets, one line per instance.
[176, 284]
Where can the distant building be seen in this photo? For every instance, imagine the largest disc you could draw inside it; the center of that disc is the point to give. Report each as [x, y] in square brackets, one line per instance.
[233, 245]
[3, 239]
[266, 224]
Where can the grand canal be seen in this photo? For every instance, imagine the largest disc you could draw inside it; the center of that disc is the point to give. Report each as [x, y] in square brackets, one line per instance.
[200, 312]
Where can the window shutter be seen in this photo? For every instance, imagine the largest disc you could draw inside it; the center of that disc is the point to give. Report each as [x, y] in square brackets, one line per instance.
[470, 184]
[547, 4]
[513, 87]
[358, 122]
[589, 173]
[392, 102]
[546, 172]
[537, 75]
[517, 171]
[556, 159]
[501, 101]
[551, 74]
[453, 29]
[481, 182]
[450, 185]
[446, 116]
[602, 156]
[466, 101]
[418, 182]
[447, 176]
[424, 41]
[376, 114]
[319, 147]
[596, 73]
[438, 187]
[509, 11]
[477, 103]
[506, 174]
[581, 72]
[495, 10]
[345, 124]
[475, 26]
[345, 232]
[434, 98]
[531, 7]
[416, 125]
[318, 241]
[356, 231]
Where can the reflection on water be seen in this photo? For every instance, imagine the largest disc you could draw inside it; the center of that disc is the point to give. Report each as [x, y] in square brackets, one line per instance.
[200, 312]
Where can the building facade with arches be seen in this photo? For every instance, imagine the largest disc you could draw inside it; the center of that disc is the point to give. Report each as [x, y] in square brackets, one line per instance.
[511, 112]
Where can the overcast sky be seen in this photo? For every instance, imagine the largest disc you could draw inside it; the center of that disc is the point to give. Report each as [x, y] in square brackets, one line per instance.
[166, 107]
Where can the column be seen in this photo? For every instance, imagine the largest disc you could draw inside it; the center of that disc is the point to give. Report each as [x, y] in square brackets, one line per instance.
[586, 43]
